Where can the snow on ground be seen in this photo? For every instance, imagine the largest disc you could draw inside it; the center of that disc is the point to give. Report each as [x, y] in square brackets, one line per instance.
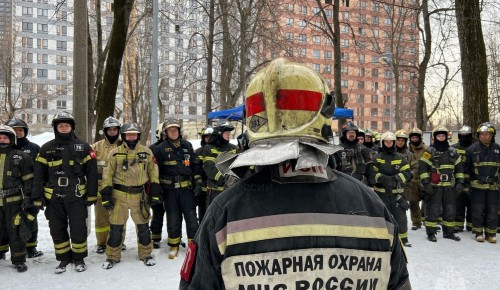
[443, 265]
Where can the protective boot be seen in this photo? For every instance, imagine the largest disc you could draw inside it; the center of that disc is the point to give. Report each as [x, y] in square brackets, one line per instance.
[21, 267]
[491, 239]
[405, 242]
[479, 238]
[101, 249]
[156, 244]
[33, 253]
[110, 263]
[173, 252]
[62, 266]
[149, 261]
[80, 265]
[451, 236]
[432, 237]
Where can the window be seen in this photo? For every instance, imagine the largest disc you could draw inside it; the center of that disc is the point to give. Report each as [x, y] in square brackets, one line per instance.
[316, 67]
[328, 54]
[374, 112]
[62, 30]
[41, 119]
[42, 89]
[374, 99]
[361, 84]
[289, 51]
[42, 58]
[62, 45]
[289, 7]
[316, 10]
[362, 5]
[387, 21]
[63, 15]
[60, 59]
[375, 33]
[302, 52]
[302, 23]
[26, 88]
[361, 72]
[289, 22]
[61, 104]
[303, 10]
[28, 57]
[316, 53]
[27, 42]
[387, 100]
[42, 73]
[27, 103]
[362, 18]
[344, 56]
[42, 43]
[376, 7]
[412, 50]
[362, 44]
[329, 13]
[375, 20]
[373, 125]
[375, 72]
[345, 15]
[42, 28]
[344, 42]
[344, 70]
[412, 37]
[316, 39]
[327, 68]
[27, 27]
[43, 13]
[302, 38]
[360, 98]
[27, 11]
[362, 31]
[344, 83]
[27, 72]
[289, 36]
[386, 125]
[344, 29]
[361, 58]
[386, 112]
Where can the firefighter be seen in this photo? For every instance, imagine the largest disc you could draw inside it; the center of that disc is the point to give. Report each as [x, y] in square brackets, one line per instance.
[130, 167]
[216, 145]
[15, 197]
[482, 164]
[392, 173]
[66, 181]
[463, 214]
[201, 194]
[441, 173]
[355, 158]
[294, 210]
[417, 148]
[179, 177]
[158, 210]
[32, 149]
[102, 149]
[369, 140]
[361, 136]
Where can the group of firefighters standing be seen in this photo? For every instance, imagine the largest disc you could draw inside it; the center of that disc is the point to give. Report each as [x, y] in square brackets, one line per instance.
[458, 185]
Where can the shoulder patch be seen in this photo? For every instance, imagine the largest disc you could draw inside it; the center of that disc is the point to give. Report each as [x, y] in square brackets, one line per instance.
[79, 147]
[187, 266]
[426, 155]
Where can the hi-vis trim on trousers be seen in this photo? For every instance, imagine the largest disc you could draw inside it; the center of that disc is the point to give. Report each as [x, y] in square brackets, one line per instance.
[303, 224]
[320, 268]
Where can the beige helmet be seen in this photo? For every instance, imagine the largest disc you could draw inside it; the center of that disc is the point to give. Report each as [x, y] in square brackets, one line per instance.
[288, 99]
[402, 134]
[439, 129]
[9, 132]
[415, 131]
[387, 136]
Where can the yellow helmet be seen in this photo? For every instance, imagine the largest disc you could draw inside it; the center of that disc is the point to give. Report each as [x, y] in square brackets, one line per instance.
[402, 134]
[439, 129]
[387, 136]
[288, 99]
[486, 127]
[415, 131]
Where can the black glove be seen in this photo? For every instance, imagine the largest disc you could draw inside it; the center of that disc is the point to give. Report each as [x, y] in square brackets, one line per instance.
[39, 203]
[459, 187]
[107, 199]
[155, 194]
[27, 203]
[402, 202]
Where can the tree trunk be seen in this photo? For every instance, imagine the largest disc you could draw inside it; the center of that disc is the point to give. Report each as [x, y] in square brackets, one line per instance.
[422, 69]
[210, 59]
[473, 61]
[117, 43]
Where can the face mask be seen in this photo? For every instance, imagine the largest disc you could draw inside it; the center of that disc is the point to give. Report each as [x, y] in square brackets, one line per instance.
[132, 144]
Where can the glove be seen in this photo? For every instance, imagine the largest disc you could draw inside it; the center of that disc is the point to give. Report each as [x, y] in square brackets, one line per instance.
[91, 200]
[459, 187]
[402, 202]
[108, 204]
[27, 203]
[155, 194]
[156, 200]
[107, 200]
[39, 203]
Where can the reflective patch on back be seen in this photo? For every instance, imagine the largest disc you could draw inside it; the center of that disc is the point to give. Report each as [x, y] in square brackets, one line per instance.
[286, 170]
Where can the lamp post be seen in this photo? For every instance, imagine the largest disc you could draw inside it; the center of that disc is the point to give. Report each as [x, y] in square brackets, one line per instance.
[387, 58]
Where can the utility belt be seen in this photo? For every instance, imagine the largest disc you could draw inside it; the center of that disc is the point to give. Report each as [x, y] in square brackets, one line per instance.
[129, 189]
[9, 192]
[179, 181]
[437, 177]
[64, 181]
[486, 179]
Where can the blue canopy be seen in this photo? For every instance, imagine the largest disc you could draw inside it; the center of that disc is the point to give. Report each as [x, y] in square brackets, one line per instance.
[233, 114]
[341, 113]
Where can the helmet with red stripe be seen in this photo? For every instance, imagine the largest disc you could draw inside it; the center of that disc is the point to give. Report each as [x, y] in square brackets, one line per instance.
[288, 99]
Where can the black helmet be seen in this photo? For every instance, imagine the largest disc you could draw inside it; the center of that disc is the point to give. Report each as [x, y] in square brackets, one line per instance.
[349, 126]
[111, 122]
[63, 117]
[18, 123]
[6, 130]
[130, 127]
[222, 126]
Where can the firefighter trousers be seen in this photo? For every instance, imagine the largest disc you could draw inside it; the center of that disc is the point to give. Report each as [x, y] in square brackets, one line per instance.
[412, 194]
[179, 202]
[125, 202]
[157, 221]
[8, 234]
[484, 204]
[463, 213]
[62, 212]
[102, 224]
[398, 213]
[441, 200]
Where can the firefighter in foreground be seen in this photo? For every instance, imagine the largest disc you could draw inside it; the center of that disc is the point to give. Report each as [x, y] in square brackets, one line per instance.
[178, 177]
[131, 166]
[392, 173]
[15, 198]
[441, 173]
[102, 149]
[463, 215]
[294, 212]
[66, 181]
[483, 166]
[217, 144]
[25, 145]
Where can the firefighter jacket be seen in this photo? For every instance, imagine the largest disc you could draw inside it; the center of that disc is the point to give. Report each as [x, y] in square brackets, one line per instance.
[28, 147]
[199, 155]
[129, 170]
[354, 160]
[441, 168]
[102, 151]
[483, 165]
[215, 179]
[281, 228]
[412, 161]
[64, 167]
[177, 165]
[417, 152]
[463, 155]
[16, 175]
[390, 165]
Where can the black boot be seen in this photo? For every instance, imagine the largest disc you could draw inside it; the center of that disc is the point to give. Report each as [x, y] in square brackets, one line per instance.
[405, 242]
[33, 253]
[21, 267]
[101, 249]
[62, 267]
[432, 237]
[156, 244]
[80, 265]
[451, 236]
